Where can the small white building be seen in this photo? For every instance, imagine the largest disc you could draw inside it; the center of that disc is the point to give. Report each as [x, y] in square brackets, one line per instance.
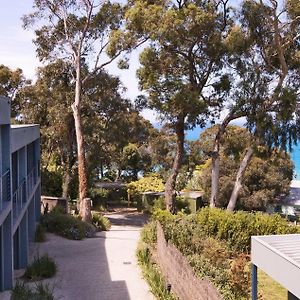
[279, 257]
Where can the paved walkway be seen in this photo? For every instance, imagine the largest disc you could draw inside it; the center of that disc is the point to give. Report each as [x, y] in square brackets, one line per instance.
[100, 268]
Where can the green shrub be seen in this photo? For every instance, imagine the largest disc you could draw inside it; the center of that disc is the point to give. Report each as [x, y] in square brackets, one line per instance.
[67, 226]
[150, 183]
[182, 205]
[238, 227]
[163, 216]
[41, 268]
[100, 222]
[42, 291]
[148, 233]
[21, 292]
[40, 234]
[99, 197]
[217, 242]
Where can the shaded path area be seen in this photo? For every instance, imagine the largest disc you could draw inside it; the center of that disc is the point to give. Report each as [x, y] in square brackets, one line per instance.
[99, 268]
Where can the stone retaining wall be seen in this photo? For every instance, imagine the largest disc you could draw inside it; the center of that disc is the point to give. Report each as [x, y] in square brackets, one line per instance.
[180, 275]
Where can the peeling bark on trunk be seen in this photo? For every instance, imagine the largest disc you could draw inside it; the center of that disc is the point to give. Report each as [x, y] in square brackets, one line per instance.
[238, 181]
[170, 184]
[84, 205]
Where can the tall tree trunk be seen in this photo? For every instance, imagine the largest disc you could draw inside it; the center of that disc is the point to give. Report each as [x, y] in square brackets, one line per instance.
[238, 181]
[215, 171]
[66, 180]
[170, 184]
[215, 167]
[85, 206]
[68, 159]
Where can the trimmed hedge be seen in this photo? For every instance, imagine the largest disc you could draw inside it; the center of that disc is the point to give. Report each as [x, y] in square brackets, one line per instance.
[238, 227]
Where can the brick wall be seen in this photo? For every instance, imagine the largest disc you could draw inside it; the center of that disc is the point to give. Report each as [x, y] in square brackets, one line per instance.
[179, 273]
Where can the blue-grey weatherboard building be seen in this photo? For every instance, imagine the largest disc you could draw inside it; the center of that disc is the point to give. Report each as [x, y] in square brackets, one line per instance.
[20, 189]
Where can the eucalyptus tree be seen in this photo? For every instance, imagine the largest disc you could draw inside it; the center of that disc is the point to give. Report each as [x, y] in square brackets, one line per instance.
[48, 102]
[268, 85]
[180, 67]
[80, 32]
[11, 81]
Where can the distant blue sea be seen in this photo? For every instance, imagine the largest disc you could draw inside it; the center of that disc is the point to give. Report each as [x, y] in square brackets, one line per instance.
[193, 135]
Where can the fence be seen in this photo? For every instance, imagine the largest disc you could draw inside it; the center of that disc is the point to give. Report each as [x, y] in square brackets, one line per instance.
[180, 275]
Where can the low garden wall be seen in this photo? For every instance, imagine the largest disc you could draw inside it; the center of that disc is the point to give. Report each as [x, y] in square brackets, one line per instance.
[179, 274]
[48, 203]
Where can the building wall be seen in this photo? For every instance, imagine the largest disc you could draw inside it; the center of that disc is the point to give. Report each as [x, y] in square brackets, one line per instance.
[19, 193]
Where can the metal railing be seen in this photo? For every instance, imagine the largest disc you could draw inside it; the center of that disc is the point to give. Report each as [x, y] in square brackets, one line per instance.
[5, 186]
[31, 180]
[24, 190]
[19, 199]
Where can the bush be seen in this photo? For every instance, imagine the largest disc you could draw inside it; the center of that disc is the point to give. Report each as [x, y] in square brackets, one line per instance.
[67, 226]
[99, 197]
[100, 222]
[238, 227]
[40, 235]
[42, 291]
[148, 233]
[41, 268]
[217, 242]
[151, 183]
[163, 216]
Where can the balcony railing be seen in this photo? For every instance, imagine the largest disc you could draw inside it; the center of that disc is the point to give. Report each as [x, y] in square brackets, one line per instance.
[4, 188]
[19, 199]
[24, 190]
[31, 180]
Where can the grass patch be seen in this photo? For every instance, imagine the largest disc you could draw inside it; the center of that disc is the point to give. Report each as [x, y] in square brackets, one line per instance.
[100, 222]
[42, 291]
[268, 288]
[152, 274]
[41, 268]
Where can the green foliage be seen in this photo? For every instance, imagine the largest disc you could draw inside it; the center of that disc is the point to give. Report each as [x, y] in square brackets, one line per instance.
[52, 183]
[11, 82]
[150, 183]
[21, 292]
[101, 196]
[217, 242]
[42, 267]
[40, 234]
[237, 228]
[100, 222]
[152, 273]
[148, 233]
[67, 226]
[162, 215]
[266, 179]
[42, 291]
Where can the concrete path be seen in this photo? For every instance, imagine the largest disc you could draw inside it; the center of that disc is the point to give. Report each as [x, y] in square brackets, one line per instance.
[100, 268]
